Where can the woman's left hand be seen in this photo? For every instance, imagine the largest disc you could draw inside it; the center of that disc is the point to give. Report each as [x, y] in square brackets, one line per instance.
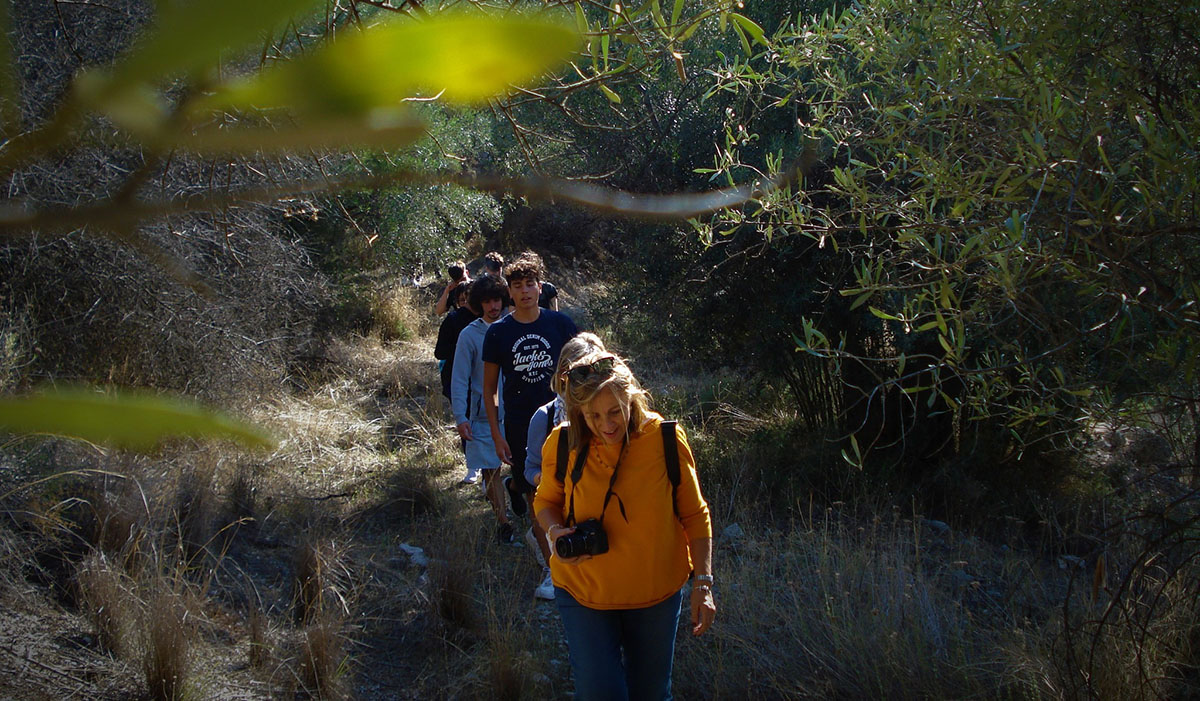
[704, 609]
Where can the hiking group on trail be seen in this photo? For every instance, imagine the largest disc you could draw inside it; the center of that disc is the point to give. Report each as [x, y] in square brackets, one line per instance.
[618, 523]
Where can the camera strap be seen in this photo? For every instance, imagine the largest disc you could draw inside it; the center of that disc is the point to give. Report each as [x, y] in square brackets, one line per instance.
[577, 473]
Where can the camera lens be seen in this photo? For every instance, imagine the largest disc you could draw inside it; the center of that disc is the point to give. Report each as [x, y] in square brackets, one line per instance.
[570, 545]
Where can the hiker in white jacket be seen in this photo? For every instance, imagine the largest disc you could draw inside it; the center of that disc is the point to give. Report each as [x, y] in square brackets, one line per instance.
[487, 298]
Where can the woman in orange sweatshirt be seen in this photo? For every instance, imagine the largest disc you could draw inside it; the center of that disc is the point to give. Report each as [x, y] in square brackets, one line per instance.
[622, 544]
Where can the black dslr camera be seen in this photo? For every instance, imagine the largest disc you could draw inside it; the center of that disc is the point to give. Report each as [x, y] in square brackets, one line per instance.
[589, 538]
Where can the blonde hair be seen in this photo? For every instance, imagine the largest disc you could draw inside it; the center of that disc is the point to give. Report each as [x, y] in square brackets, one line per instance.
[634, 401]
[580, 346]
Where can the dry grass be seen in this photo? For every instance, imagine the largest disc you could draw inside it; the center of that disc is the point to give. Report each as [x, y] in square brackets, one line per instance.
[321, 580]
[167, 662]
[398, 313]
[1135, 636]
[117, 517]
[242, 496]
[322, 659]
[452, 593]
[106, 598]
[258, 648]
[510, 665]
[835, 610]
[195, 510]
[411, 491]
[327, 441]
[15, 350]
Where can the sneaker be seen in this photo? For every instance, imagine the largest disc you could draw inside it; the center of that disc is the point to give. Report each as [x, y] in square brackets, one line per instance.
[545, 590]
[516, 498]
[504, 534]
[531, 542]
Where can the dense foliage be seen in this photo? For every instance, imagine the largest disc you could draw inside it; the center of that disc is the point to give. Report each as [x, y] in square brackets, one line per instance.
[1000, 238]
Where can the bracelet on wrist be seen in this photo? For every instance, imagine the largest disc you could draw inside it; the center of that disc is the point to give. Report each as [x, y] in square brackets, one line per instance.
[706, 578]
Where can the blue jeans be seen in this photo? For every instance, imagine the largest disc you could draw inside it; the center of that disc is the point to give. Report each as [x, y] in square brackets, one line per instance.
[620, 654]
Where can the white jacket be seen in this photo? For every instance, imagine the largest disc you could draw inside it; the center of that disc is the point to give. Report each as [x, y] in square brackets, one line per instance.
[466, 386]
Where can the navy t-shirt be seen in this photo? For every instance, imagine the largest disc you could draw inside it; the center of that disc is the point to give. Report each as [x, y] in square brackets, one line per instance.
[527, 355]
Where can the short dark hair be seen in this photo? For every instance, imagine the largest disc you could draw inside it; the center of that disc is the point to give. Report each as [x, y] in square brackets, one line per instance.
[484, 288]
[528, 265]
[493, 261]
[456, 269]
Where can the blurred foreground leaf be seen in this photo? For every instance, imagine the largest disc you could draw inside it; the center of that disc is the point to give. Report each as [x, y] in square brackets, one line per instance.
[126, 420]
[465, 57]
[189, 36]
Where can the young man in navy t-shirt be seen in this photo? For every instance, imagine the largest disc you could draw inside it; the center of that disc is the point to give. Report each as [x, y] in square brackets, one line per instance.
[524, 346]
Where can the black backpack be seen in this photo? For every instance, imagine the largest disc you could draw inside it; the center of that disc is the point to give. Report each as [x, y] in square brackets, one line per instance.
[670, 450]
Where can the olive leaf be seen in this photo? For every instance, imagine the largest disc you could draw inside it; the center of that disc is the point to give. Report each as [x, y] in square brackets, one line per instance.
[122, 420]
[465, 57]
[750, 27]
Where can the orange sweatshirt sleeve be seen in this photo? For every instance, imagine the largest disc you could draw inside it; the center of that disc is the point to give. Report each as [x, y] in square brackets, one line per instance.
[693, 510]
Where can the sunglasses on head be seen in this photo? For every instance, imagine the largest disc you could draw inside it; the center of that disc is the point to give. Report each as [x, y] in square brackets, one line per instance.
[602, 367]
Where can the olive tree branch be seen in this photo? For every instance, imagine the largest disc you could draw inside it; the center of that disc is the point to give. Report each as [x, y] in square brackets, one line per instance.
[118, 217]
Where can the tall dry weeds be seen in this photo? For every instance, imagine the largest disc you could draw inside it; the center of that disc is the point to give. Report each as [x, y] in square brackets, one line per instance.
[258, 648]
[323, 663]
[511, 661]
[411, 491]
[510, 665]
[241, 495]
[321, 580]
[101, 312]
[1134, 637]
[15, 347]
[118, 517]
[105, 595]
[167, 661]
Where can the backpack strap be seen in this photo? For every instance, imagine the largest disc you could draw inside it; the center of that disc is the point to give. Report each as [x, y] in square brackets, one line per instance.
[550, 420]
[560, 463]
[671, 453]
[563, 456]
